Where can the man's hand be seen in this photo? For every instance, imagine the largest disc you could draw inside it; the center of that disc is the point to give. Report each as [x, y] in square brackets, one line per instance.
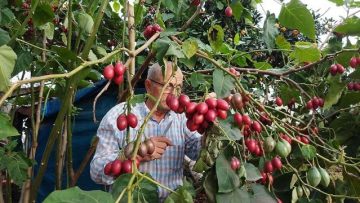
[161, 143]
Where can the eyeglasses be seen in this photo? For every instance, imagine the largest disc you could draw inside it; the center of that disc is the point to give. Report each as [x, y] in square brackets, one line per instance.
[169, 87]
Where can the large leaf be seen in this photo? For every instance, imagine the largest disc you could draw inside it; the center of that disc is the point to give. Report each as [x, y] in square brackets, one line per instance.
[349, 98]
[261, 195]
[237, 9]
[43, 14]
[6, 129]
[7, 58]
[85, 22]
[17, 166]
[147, 189]
[227, 178]
[196, 79]
[350, 26]
[282, 43]
[308, 152]
[139, 10]
[48, 29]
[270, 31]
[216, 36]
[223, 84]
[287, 93]
[231, 132]
[252, 172]
[262, 65]
[183, 195]
[176, 6]
[4, 37]
[306, 52]
[335, 91]
[75, 195]
[236, 196]
[338, 2]
[295, 15]
[22, 63]
[6, 16]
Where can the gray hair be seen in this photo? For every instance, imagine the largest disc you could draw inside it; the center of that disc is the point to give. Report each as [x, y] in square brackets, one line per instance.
[154, 71]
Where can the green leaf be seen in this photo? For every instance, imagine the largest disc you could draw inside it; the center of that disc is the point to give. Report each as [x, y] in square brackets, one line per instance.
[174, 50]
[17, 167]
[294, 196]
[237, 39]
[94, 75]
[144, 187]
[252, 172]
[231, 132]
[169, 32]
[43, 14]
[344, 58]
[236, 196]
[190, 63]
[237, 9]
[6, 128]
[85, 22]
[189, 47]
[6, 17]
[4, 37]
[139, 10]
[22, 63]
[223, 84]
[282, 43]
[49, 30]
[216, 36]
[137, 99]
[335, 91]
[229, 180]
[350, 26]
[176, 6]
[286, 93]
[308, 152]
[210, 186]
[65, 54]
[7, 58]
[262, 65]
[161, 46]
[270, 31]
[167, 16]
[196, 79]
[261, 195]
[182, 196]
[338, 2]
[295, 15]
[76, 195]
[348, 99]
[306, 52]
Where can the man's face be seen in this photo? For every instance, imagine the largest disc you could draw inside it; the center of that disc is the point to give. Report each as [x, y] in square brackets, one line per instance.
[154, 87]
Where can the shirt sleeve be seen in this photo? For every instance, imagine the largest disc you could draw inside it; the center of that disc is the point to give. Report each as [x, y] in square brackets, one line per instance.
[107, 149]
[192, 142]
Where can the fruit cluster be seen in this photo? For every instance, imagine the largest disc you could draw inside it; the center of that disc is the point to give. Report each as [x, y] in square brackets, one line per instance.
[115, 73]
[116, 168]
[269, 167]
[315, 103]
[353, 86]
[254, 146]
[234, 71]
[316, 176]
[146, 148]
[234, 163]
[150, 30]
[199, 115]
[337, 69]
[354, 62]
[303, 139]
[123, 121]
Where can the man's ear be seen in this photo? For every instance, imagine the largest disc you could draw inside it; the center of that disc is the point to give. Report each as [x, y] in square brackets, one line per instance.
[147, 85]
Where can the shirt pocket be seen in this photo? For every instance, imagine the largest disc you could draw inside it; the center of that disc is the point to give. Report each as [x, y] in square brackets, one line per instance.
[175, 157]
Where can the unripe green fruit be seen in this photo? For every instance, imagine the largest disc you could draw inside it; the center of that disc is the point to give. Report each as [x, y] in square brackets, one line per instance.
[282, 149]
[325, 178]
[313, 176]
[269, 144]
[299, 191]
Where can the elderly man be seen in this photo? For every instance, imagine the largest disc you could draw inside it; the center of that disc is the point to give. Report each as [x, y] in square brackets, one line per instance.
[165, 165]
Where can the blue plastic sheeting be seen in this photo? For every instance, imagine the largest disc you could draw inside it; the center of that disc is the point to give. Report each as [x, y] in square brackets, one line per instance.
[84, 129]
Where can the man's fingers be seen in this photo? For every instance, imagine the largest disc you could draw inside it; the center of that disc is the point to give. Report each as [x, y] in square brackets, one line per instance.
[162, 139]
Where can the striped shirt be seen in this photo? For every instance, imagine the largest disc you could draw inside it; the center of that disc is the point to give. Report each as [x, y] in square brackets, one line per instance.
[168, 170]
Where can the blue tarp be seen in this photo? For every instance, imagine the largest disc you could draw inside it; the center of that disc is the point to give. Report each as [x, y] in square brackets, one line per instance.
[84, 129]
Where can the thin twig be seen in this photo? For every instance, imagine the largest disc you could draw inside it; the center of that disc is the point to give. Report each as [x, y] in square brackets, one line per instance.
[97, 97]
